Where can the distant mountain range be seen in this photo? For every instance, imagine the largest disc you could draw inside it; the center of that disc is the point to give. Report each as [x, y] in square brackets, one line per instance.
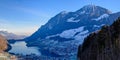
[62, 34]
[10, 36]
[102, 45]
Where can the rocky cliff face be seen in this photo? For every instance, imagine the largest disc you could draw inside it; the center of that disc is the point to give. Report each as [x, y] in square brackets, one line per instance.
[3, 43]
[4, 46]
[102, 45]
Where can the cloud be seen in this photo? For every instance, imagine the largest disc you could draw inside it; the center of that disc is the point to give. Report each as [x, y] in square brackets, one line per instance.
[26, 10]
[32, 11]
[4, 24]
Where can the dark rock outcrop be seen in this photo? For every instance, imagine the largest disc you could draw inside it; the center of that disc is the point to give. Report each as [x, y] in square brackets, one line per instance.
[8, 48]
[102, 45]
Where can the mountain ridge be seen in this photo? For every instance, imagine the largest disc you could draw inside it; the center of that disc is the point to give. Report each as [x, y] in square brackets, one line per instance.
[62, 20]
[93, 8]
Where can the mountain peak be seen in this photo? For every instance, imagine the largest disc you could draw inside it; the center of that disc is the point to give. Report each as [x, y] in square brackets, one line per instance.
[94, 10]
[63, 12]
[89, 6]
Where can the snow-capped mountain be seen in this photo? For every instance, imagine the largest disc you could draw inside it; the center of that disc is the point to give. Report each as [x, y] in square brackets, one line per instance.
[62, 34]
[10, 36]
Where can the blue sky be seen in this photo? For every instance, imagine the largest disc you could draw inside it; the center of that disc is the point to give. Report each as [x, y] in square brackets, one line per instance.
[26, 16]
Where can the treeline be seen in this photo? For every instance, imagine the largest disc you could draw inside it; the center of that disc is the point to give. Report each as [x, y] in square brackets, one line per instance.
[102, 45]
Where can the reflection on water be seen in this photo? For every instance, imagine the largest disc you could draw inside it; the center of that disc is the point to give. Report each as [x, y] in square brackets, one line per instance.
[21, 48]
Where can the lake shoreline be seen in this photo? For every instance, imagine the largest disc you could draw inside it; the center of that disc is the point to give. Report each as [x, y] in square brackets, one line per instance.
[18, 45]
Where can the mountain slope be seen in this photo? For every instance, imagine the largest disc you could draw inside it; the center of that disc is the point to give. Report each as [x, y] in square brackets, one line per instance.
[62, 34]
[91, 18]
[70, 20]
[102, 45]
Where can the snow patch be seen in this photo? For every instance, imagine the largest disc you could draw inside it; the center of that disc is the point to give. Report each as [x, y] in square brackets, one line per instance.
[82, 12]
[52, 36]
[81, 35]
[101, 17]
[83, 32]
[102, 24]
[70, 33]
[73, 20]
[96, 26]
